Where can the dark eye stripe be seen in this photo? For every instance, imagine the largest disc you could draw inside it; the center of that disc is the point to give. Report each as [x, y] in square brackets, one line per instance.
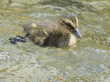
[70, 27]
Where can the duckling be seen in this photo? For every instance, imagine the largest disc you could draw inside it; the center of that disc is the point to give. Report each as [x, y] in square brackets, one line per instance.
[48, 33]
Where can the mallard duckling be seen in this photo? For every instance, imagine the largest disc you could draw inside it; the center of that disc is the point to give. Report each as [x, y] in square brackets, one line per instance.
[48, 33]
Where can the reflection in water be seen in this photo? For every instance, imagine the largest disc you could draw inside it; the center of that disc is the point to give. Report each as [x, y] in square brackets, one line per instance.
[88, 61]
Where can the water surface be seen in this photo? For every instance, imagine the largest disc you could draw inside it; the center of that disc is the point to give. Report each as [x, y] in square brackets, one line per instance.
[88, 61]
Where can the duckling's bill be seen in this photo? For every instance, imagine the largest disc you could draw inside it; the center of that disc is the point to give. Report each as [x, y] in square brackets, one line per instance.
[77, 33]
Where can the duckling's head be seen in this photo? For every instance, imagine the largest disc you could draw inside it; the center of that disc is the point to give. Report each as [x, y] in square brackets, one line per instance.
[69, 23]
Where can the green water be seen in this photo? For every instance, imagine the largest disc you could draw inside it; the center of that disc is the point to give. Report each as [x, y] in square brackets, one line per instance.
[88, 61]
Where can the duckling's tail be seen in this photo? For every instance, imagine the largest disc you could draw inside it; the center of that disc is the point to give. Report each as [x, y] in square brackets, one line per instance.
[18, 38]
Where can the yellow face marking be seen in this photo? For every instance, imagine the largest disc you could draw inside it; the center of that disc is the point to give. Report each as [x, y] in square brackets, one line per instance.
[69, 21]
[76, 25]
[76, 20]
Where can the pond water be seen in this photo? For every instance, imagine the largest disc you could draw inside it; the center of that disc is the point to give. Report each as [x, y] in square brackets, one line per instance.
[88, 61]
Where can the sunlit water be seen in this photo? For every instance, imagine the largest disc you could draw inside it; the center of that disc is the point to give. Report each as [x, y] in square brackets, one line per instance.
[88, 61]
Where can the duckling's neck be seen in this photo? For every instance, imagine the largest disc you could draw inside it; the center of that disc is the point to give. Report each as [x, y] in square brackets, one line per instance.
[72, 40]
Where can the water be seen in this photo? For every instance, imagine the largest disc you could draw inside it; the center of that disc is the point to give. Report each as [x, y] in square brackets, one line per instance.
[88, 61]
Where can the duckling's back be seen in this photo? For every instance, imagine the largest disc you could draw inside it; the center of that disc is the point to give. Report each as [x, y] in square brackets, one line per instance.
[46, 25]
